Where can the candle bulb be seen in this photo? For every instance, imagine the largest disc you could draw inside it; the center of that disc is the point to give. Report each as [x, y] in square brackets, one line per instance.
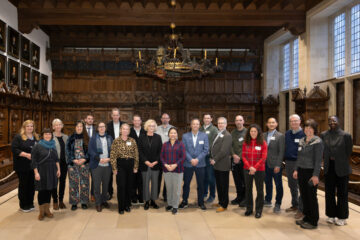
[140, 55]
[216, 61]
[175, 53]
[137, 64]
[205, 54]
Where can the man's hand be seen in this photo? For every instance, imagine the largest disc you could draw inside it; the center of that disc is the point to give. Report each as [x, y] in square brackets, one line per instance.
[236, 158]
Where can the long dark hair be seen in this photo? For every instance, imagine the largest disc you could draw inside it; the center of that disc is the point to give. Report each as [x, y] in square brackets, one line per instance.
[259, 138]
[84, 132]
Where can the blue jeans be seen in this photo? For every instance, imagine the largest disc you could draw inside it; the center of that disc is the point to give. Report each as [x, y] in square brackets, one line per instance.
[200, 175]
[269, 176]
[209, 181]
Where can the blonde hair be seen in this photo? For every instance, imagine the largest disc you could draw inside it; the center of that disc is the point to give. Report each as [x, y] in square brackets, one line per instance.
[55, 121]
[149, 122]
[125, 124]
[22, 130]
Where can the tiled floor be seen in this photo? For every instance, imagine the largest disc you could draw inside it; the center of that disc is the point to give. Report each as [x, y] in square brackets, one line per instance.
[191, 223]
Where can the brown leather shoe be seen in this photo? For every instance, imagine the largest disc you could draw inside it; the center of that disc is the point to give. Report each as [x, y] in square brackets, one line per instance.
[220, 209]
[98, 208]
[41, 213]
[55, 206]
[216, 205]
[92, 198]
[62, 205]
[291, 209]
[299, 215]
[47, 211]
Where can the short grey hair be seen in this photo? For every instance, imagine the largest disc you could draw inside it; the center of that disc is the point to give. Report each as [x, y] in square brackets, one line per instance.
[55, 121]
[294, 116]
[222, 118]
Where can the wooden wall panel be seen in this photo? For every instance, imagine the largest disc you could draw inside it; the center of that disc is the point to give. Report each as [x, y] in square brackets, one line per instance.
[4, 127]
[356, 114]
[340, 103]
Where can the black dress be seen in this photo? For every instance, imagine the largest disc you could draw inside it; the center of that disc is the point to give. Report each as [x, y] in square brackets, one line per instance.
[45, 159]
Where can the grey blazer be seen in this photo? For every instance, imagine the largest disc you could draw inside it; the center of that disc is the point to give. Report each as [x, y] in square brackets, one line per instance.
[276, 149]
[221, 151]
[57, 144]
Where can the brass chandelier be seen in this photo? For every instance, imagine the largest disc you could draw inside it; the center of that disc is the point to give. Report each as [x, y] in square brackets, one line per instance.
[173, 63]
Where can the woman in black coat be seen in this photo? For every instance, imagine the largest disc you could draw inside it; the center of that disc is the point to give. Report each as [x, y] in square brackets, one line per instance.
[150, 145]
[45, 163]
[21, 147]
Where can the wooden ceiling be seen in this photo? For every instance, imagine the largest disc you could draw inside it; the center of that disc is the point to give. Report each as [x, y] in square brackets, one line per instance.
[133, 23]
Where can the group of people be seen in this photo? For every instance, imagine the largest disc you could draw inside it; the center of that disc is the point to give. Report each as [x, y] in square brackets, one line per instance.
[139, 157]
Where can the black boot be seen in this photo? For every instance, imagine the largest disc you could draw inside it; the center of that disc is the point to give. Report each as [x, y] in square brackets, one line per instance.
[154, 205]
[146, 206]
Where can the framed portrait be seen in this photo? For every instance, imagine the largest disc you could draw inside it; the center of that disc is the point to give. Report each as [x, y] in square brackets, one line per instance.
[25, 50]
[35, 56]
[44, 84]
[25, 78]
[2, 36]
[2, 68]
[13, 73]
[35, 80]
[13, 42]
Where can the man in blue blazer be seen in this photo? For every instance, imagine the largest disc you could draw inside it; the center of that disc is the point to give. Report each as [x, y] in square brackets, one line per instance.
[197, 147]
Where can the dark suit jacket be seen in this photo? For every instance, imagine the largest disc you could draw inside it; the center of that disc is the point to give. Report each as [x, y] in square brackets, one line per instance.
[110, 128]
[276, 149]
[343, 150]
[149, 153]
[134, 135]
[221, 151]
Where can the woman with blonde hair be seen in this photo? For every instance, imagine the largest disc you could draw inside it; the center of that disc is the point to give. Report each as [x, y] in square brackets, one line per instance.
[21, 147]
[150, 145]
[60, 141]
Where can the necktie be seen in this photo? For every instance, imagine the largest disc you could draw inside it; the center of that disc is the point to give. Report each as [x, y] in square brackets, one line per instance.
[88, 130]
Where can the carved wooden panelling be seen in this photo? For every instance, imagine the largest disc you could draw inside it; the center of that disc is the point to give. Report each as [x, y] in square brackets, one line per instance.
[15, 122]
[4, 130]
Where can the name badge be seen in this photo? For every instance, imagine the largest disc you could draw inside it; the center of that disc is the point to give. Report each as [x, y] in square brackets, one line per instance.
[128, 143]
[297, 140]
[272, 138]
[299, 149]
[222, 135]
[258, 148]
[241, 139]
[201, 142]
[207, 132]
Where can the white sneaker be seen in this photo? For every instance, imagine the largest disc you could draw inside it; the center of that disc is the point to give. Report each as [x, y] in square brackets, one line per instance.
[25, 210]
[340, 222]
[330, 220]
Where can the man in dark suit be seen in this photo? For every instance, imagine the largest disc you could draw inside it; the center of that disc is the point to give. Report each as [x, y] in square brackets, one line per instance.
[220, 152]
[113, 129]
[273, 170]
[135, 132]
[89, 125]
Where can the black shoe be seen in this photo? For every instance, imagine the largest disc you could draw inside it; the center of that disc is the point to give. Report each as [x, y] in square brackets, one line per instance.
[236, 201]
[202, 207]
[84, 206]
[141, 202]
[183, 205]
[73, 207]
[109, 197]
[242, 203]
[174, 211]
[127, 209]
[299, 222]
[121, 212]
[154, 205]
[134, 202]
[105, 205]
[258, 215]
[307, 225]
[168, 208]
[248, 212]
[147, 205]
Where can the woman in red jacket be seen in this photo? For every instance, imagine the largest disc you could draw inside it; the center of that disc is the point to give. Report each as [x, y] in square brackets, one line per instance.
[254, 152]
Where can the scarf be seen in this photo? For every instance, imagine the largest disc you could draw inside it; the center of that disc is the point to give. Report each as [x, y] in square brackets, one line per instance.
[47, 144]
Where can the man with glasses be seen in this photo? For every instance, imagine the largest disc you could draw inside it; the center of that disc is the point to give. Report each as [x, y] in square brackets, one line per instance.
[292, 139]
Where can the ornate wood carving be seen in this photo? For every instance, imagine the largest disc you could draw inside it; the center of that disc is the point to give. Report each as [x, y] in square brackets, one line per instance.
[270, 108]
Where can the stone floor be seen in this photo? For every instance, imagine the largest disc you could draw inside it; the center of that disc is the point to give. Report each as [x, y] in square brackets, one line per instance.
[191, 223]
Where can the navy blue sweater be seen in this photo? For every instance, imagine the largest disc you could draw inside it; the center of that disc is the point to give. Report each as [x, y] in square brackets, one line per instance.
[292, 144]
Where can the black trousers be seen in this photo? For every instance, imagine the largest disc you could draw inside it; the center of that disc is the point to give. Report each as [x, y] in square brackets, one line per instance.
[338, 185]
[137, 189]
[124, 177]
[159, 185]
[259, 178]
[222, 187]
[239, 180]
[308, 196]
[26, 189]
[110, 188]
[62, 182]
[44, 196]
